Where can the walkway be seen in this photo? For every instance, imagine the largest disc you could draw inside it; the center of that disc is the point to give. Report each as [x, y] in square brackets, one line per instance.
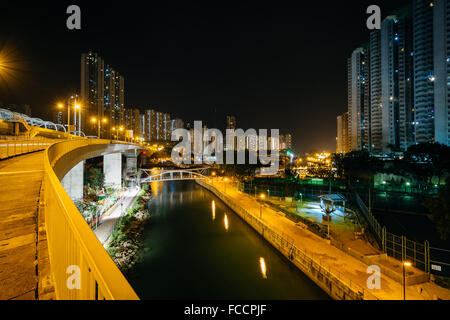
[322, 251]
[20, 183]
[108, 222]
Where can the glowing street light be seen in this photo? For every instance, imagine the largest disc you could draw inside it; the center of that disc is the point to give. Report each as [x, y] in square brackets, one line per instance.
[405, 264]
[95, 120]
[262, 196]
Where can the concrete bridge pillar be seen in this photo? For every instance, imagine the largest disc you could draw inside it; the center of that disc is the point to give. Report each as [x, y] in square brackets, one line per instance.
[73, 182]
[131, 165]
[112, 168]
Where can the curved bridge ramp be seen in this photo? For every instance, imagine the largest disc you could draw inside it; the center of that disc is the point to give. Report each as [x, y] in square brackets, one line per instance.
[42, 233]
[20, 183]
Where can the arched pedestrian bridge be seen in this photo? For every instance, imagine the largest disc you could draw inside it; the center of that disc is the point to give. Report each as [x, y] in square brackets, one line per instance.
[173, 175]
[47, 250]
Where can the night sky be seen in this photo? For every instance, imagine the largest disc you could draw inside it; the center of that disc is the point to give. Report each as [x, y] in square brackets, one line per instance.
[272, 64]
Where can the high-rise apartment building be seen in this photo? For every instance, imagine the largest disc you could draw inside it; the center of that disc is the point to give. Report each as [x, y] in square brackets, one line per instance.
[92, 92]
[231, 122]
[150, 126]
[441, 61]
[397, 81]
[423, 70]
[359, 99]
[342, 134]
[285, 141]
[167, 135]
[375, 95]
[102, 96]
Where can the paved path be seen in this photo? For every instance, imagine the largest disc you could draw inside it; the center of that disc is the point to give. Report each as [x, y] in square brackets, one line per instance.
[110, 219]
[349, 267]
[20, 183]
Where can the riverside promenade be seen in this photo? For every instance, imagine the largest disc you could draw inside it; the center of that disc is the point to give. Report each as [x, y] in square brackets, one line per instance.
[110, 218]
[347, 268]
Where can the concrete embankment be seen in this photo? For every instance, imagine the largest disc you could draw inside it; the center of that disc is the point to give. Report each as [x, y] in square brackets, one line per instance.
[332, 284]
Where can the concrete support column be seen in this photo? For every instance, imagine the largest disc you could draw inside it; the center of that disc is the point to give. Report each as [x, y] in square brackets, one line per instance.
[131, 162]
[112, 168]
[73, 182]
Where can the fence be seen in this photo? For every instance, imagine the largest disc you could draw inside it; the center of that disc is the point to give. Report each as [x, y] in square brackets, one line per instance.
[11, 148]
[421, 255]
[71, 243]
[330, 280]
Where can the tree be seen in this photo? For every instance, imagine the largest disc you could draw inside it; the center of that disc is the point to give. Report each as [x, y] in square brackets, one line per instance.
[425, 160]
[96, 178]
[357, 165]
[440, 210]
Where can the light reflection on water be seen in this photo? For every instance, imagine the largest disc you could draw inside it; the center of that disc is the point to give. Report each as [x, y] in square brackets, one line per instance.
[191, 252]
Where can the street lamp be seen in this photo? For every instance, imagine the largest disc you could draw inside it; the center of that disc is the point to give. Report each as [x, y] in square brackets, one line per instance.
[262, 196]
[94, 120]
[225, 185]
[405, 264]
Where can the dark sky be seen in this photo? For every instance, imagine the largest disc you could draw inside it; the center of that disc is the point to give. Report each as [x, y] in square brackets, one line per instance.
[272, 64]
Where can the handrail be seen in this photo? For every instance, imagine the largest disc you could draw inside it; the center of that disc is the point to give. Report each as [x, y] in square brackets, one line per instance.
[73, 248]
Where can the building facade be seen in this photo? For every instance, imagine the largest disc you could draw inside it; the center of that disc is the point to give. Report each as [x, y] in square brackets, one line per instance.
[342, 144]
[397, 81]
[359, 99]
[441, 61]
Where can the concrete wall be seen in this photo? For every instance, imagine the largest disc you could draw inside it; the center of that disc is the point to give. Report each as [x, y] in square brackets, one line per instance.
[112, 168]
[333, 286]
[73, 182]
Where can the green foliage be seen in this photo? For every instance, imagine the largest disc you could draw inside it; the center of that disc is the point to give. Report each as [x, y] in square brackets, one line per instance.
[440, 210]
[95, 178]
[357, 165]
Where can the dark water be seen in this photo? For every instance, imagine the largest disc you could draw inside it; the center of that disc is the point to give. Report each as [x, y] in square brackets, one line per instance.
[190, 254]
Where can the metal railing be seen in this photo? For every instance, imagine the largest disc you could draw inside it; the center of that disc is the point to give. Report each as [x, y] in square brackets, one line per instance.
[11, 148]
[71, 243]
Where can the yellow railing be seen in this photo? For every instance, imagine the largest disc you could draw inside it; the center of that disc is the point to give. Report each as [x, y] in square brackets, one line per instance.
[11, 148]
[74, 250]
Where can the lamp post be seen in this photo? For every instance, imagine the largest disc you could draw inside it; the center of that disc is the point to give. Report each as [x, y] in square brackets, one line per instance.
[260, 205]
[95, 120]
[405, 264]
[117, 129]
[225, 185]
[77, 107]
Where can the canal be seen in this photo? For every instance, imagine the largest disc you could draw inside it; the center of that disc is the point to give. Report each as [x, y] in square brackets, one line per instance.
[197, 248]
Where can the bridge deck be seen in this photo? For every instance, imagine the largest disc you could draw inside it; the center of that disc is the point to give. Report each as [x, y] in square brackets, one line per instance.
[20, 182]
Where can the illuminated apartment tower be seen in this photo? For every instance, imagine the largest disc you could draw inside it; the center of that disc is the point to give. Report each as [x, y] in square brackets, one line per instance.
[114, 98]
[423, 70]
[342, 134]
[102, 96]
[150, 125]
[160, 127]
[359, 99]
[375, 98]
[397, 81]
[132, 122]
[176, 124]
[92, 93]
[441, 60]
[231, 122]
[167, 135]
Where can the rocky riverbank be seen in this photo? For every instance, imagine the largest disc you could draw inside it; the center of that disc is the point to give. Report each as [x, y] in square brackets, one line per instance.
[127, 238]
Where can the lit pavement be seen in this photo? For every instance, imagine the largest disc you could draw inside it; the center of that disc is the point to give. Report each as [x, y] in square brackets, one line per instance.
[348, 266]
[109, 220]
[19, 199]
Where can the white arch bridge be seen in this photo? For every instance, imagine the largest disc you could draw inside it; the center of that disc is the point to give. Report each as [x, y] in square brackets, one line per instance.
[172, 175]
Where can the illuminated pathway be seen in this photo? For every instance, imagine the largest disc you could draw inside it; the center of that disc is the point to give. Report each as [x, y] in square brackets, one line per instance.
[18, 223]
[104, 230]
[348, 266]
